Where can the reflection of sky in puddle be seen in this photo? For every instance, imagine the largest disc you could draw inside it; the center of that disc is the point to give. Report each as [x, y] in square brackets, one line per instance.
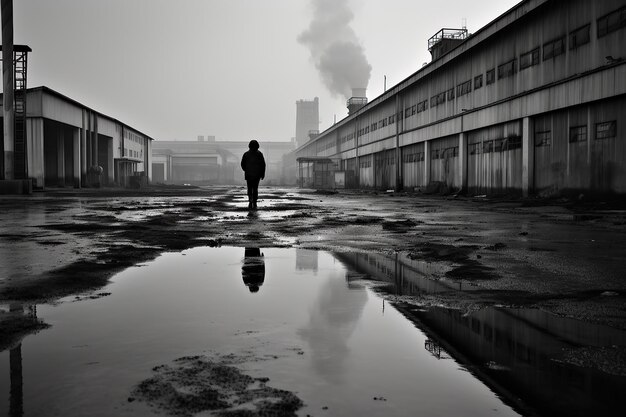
[201, 301]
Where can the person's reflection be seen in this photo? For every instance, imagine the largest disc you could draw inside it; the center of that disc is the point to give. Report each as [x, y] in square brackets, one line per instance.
[253, 269]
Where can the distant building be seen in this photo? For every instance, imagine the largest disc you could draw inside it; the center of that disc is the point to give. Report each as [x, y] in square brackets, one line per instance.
[191, 162]
[532, 103]
[307, 120]
[67, 141]
[214, 162]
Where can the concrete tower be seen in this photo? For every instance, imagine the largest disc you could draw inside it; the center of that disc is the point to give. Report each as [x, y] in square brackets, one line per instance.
[307, 120]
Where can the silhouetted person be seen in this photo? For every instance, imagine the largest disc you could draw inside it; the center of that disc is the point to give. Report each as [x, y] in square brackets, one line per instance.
[253, 269]
[253, 165]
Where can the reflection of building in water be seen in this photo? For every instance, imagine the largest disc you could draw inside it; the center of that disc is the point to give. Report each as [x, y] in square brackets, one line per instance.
[526, 351]
[15, 323]
[306, 260]
[331, 323]
[410, 277]
[253, 269]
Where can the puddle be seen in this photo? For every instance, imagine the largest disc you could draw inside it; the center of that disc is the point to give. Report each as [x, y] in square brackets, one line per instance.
[556, 365]
[292, 320]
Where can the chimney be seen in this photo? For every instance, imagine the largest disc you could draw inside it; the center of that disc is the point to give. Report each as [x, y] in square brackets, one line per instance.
[358, 100]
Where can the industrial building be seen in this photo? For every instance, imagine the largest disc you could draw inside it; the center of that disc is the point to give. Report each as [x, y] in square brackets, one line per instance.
[307, 120]
[532, 103]
[209, 161]
[71, 145]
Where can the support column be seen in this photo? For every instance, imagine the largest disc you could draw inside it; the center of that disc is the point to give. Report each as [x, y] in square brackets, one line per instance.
[76, 156]
[94, 138]
[528, 156]
[427, 161]
[60, 158]
[34, 137]
[148, 159]
[8, 98]
[84, 165]
[398, 154]
[463, 160]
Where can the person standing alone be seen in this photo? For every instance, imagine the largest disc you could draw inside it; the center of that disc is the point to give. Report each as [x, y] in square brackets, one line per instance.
[253, 165]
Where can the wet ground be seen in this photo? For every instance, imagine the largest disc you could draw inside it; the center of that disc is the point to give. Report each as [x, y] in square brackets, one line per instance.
[362, 304]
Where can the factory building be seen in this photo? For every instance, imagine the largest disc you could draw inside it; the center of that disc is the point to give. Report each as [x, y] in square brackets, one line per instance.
[307, 120]
[532, 103]
[191, 162]
[71, 145]
[209, 161]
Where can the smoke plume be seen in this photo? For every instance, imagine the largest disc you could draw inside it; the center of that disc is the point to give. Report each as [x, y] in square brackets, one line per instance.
[335, 48]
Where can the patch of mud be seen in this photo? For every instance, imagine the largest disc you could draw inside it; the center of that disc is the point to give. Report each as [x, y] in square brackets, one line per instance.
[463, 266]
[399, 226]
[199, 384]
[608, 359]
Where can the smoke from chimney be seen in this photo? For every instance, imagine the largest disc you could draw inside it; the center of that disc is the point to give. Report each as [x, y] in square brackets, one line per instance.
[335, 48]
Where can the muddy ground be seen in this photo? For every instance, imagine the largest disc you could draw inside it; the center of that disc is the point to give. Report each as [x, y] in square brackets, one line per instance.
[563, 256]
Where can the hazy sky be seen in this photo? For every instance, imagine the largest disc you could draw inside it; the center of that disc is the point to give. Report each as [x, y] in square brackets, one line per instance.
[176, 69]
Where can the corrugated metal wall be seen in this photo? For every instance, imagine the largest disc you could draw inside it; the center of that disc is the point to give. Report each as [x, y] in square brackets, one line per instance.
[385, 169]
[494, 159]
[366, 171]
[583, 148]
[413, 166]
[444, 161]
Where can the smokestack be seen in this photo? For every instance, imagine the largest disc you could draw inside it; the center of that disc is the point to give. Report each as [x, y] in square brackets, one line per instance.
[357, 101]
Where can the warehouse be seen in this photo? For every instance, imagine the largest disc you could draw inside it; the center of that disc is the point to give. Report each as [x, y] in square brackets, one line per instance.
[532, 103]
[71, 145]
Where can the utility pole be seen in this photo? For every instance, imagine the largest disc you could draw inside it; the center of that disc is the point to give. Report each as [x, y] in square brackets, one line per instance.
[7, 171]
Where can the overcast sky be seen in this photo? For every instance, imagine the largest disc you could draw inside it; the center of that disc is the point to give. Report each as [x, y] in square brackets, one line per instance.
[176, 69]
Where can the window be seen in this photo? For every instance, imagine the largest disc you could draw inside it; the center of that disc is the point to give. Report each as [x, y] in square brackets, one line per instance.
[498, 145]
[407, 112]
[578, 134]
[450, 94]
[488, 146]
[367, 129]
[491, 76]
[606, 130]
[438, 99]
[413, 109]
[579, 37]
[434, 154]
[553, 48]
[464, 88]
[422, 105]
[478, 81]
[392, 119]
[513, 142]
[612, 22]
[543, 138]
[507, 69]
[474, 148]
[529, 59]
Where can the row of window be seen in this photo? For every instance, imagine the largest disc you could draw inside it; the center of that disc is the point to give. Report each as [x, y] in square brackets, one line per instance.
[495, 145]
[413, 157]
[133, 154]
[604, 130]
[451, 152]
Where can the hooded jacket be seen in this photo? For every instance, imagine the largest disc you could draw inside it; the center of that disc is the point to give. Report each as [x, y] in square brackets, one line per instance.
[253, 164]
